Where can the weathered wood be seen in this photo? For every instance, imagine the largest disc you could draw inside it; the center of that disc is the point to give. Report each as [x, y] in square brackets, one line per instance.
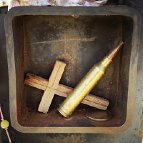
[51, 87]
[62, 90]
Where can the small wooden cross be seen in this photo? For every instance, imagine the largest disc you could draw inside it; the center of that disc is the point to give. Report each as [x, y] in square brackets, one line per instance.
[52, 87]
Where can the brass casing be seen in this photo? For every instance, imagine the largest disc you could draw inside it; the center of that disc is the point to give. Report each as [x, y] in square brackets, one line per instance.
[86, 85]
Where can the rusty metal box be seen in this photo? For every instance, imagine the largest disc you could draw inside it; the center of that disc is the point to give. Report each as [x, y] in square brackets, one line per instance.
[81, 36]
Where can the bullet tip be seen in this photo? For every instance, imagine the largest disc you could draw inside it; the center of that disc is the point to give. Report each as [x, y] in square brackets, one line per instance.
[115, 51]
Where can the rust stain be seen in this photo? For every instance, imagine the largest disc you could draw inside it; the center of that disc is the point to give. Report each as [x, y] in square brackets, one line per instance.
[71, 40]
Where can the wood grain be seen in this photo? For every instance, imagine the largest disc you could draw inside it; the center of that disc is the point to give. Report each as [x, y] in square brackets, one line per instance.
[63, 91]
[52, 85]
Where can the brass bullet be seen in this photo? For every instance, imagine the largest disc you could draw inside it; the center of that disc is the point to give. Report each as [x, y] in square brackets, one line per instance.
[86, 84]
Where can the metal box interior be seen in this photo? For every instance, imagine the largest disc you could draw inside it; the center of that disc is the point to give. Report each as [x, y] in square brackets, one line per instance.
[81, 37]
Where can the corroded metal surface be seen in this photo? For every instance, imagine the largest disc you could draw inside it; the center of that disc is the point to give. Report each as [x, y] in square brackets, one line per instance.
[133, 134]
[30, 64]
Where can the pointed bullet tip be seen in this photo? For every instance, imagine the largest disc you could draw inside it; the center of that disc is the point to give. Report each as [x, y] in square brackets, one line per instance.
[115, 51]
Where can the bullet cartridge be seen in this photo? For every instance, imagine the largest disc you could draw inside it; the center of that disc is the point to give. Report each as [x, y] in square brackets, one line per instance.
[87, 84]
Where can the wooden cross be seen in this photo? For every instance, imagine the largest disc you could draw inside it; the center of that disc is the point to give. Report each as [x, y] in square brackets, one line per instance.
[52, 87]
